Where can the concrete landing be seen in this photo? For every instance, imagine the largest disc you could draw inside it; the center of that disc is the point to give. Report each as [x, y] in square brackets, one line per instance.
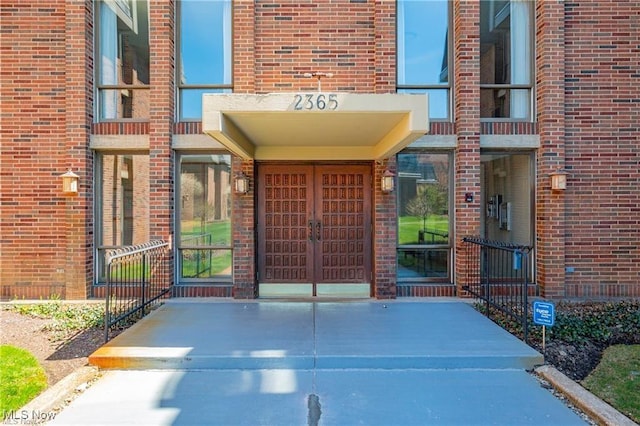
[198, 362]
[196, 334]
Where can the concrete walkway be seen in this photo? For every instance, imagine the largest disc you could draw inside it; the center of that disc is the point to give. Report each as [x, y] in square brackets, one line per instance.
[298, 363]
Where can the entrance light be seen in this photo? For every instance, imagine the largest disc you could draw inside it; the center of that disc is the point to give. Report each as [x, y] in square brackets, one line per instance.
[387, 182]
[70, 183]
[241, 184]
[559, 180]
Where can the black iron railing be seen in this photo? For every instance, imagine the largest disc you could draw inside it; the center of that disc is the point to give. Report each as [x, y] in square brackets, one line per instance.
[138, 277]
[498, 274]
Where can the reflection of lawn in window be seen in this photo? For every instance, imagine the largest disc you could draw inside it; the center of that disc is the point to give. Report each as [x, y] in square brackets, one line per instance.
[198, 264]
[220, 230]
[409, 226]
[129, 271]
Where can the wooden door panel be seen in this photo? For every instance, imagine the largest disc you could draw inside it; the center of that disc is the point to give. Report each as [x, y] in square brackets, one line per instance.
[284, 210]
[314, 224]
[343, 208]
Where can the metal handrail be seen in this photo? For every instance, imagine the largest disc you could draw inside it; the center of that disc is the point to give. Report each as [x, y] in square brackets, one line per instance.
[498, 274]
[132, 283]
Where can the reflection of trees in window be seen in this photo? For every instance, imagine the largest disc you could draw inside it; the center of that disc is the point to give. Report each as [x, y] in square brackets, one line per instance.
[205, 197]
[430, 199]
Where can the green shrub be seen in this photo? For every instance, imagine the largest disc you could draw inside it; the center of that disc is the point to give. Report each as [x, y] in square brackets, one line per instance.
[66, 318]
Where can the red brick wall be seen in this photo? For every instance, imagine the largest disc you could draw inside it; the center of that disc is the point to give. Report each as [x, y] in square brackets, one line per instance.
[466, 40]
[550, 207]
[297, 37]
[46, 104]
[602, 148]
[384, 234]
[162, 52]
[243, 234]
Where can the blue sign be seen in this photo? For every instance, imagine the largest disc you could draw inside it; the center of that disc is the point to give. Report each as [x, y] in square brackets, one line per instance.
[544, 313]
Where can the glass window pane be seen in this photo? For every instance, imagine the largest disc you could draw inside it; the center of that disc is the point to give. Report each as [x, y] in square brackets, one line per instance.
[205, 216]
[422, 42]
[124, 200]
[205, 200]
[205, 42]
[423, 191]
[124, 103]
[124, 57]
[506, 192]
[505, 103]
[205, 263]
[191, 102]
[506, 57]
[438, 102]
[423, 263]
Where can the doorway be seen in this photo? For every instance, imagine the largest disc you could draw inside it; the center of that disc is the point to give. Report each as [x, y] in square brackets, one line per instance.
[314, 230]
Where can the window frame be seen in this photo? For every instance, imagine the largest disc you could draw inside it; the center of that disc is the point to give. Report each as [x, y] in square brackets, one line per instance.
[531, 86]
[216, 280]
[98, 208]
[98, 86]
[211, 88]
[449, 245]
[425, 88]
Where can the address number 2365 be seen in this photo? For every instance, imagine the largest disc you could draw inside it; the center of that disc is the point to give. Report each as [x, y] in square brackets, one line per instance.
[315, 102]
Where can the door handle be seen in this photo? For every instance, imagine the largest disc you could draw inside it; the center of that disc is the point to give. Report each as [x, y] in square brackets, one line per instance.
[318, 231]
[310, 230]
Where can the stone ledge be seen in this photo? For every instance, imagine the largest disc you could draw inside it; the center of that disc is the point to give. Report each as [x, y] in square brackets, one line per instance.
[54, 397]
[599, 410]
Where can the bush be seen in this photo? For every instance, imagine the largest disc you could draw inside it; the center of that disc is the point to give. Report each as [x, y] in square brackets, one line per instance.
[66, 318]
[601, 323]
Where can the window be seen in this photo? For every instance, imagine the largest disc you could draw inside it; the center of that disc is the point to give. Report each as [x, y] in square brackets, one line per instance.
[506, 59]
[423, 52]
[423, 216]
[123, 59]
[507, 194]
[205, 53]
[122, 202]
[204, 209]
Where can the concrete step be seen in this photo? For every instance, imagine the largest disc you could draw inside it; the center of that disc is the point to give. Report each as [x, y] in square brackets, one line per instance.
[228, 335]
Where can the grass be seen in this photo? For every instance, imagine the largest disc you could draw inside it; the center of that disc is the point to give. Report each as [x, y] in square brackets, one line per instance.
[617, 379]
[220, 231]
[408, 227]
[21, 378]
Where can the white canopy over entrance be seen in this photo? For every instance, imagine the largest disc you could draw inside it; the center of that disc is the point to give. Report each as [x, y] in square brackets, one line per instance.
[315, 125]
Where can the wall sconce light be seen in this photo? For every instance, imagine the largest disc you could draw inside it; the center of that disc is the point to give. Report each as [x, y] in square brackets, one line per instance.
[70, 183]
[241, 183]
[559, 180]
[387, 183]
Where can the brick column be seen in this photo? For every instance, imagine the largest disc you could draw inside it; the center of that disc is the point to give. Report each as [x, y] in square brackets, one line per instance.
[385, 235]
[78, 103]
[244, 244]
[162, 93]
[550, 206]
[244, 59]
[243, 206]
[385, 46]
[466, 44]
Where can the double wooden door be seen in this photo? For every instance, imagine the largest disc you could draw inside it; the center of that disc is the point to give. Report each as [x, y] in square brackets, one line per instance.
[314, 225]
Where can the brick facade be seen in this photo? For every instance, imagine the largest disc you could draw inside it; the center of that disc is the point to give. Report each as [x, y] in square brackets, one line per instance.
[587, 111]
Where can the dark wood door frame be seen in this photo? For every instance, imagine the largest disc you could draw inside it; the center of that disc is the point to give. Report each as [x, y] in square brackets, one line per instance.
[314, 223]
